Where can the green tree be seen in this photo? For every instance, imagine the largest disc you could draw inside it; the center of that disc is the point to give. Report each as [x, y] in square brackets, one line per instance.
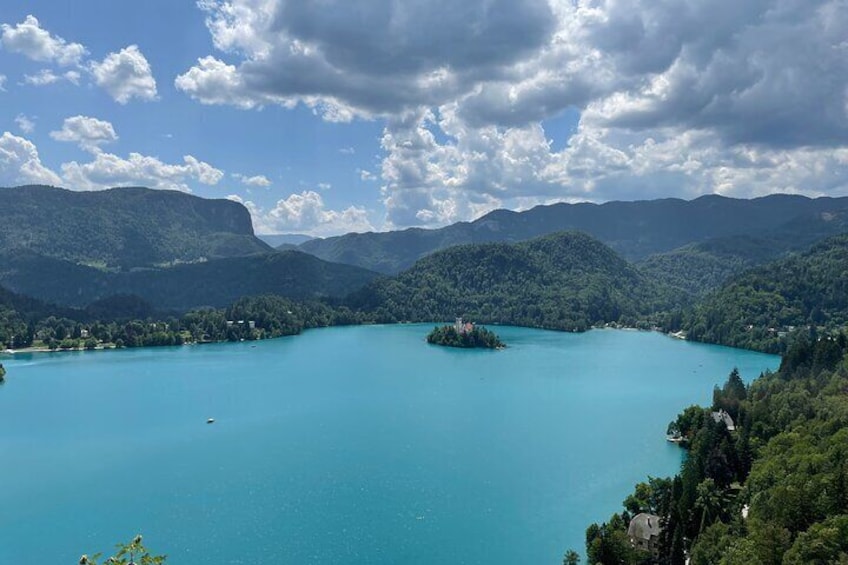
[132, 553]
[710, 501]
[571, 557]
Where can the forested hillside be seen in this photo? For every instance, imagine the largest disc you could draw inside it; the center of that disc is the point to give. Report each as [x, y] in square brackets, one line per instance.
[773, 491]
[635, 230]
[123, 228]
[566, 281]
[291, 274]
[701, 267]
[126, 321]
[754, 309]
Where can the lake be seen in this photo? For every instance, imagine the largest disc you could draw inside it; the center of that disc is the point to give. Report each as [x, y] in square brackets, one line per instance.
[343, 445]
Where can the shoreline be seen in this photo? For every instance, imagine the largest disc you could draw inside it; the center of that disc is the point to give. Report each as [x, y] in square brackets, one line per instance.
[679, 336]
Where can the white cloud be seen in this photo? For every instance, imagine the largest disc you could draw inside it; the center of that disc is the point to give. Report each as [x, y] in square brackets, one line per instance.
[306, 213]
[30, 39]
[3, 83]
[673, 98]
[20, 163]
[108, 170]
[46, 76]
[214, 82]
[347, 150]
[479, 169]
[255, 180]
[73, 77]
[125, 75]
[89, 133]
[366, 175]
[25, 124]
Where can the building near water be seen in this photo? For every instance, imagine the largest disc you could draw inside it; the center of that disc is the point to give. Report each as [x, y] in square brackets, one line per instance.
[644, 533]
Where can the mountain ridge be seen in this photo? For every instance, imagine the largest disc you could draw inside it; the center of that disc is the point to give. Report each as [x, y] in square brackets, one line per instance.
[634, 229]
[125, 227]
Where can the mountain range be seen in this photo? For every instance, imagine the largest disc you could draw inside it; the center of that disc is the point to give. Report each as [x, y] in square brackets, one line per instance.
[635, 230]
[136, 251]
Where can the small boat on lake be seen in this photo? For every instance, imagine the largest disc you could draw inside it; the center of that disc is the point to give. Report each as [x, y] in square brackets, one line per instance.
[210, 421]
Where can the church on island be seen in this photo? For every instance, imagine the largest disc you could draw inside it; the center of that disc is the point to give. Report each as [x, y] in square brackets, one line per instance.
[461, 328]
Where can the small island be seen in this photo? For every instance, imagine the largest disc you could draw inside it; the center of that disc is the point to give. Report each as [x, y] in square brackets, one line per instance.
[465, 335]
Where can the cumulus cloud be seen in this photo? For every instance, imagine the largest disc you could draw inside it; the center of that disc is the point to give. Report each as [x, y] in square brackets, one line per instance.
[24, 123]
[125, 75]
[255, 180]
[108, 170]
[20, 163]
[328, 57]
[214, 82]
[770, 72]
[306, 213]
[31, 40]
[89, 133]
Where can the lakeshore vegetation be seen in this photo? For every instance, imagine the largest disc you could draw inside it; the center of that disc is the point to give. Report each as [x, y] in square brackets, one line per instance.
[772, 491]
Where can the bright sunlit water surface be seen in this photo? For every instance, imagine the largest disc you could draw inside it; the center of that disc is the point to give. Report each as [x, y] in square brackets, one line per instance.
[342, 445]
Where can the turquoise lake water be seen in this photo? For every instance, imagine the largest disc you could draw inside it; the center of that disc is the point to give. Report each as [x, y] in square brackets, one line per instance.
[343, 445]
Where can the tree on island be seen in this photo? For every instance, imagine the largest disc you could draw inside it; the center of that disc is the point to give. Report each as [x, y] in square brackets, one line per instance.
[2, 373]
[476, 336]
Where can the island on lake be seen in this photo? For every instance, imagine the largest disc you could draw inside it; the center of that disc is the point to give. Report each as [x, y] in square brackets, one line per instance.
[464, 335]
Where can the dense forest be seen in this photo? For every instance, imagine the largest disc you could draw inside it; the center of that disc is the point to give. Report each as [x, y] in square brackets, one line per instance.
[126, 321]
[215, 283]
[566, 281]
[756, 309]
[774, 490]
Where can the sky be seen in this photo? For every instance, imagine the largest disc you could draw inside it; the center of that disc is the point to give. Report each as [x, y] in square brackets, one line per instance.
[329, 116]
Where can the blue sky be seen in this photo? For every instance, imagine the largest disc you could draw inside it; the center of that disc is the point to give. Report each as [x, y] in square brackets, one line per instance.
[324, 117]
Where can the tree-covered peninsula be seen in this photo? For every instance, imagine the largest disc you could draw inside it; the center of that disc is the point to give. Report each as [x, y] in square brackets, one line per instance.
[464, 335]
[766, 476]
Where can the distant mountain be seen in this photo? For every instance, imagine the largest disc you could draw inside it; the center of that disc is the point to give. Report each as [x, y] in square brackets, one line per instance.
[633, 229]
[561, 281]
[701, 267]
[278, 239]
[123, 228]
[292, 274]
[809, 288]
